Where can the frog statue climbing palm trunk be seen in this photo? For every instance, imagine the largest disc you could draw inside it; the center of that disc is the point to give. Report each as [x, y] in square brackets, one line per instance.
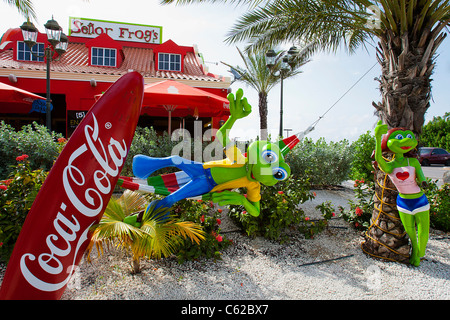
[411, 205]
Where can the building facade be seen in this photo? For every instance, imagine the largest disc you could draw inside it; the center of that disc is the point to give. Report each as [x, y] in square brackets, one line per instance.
[98, 53]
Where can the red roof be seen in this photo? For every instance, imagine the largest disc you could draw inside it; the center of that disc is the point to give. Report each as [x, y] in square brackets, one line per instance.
[140, 59]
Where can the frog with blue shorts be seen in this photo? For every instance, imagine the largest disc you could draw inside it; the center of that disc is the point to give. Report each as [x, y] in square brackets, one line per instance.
[406, 174]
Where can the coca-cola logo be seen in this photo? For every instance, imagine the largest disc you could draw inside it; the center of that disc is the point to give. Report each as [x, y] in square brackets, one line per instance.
[82, 198]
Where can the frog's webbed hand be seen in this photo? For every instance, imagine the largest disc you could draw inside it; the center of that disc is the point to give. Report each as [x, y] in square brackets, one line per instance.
[229, 197]
[381, 129]
[239, 108]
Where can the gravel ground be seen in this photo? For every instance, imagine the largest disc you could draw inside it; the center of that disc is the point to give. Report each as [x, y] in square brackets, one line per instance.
[262, 269]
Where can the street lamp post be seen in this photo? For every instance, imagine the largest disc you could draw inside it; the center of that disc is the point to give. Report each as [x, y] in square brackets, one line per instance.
[58, 44]
[286, 65]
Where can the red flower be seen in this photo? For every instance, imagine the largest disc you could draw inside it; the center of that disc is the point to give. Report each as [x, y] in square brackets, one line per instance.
[333, 214]
[244, 212]
[62, 140]
[358, 211]
[202, 218]
[2, 187]
[219, 221]
[306, 218]
[314, 194]
[22, 157]
[219, 238]
[280, 192]
[219, 210]
[356, 224]
[1, 243]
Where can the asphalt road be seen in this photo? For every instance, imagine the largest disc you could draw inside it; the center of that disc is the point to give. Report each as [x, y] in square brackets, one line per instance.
[435, 171]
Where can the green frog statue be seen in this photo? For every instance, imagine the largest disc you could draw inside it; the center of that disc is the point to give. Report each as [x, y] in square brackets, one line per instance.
[406, 174]
[263, 163]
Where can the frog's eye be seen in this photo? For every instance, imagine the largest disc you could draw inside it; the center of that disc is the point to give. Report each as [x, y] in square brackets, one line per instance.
[399, 136]
[280, 173]
[409, 135]
[269, 156]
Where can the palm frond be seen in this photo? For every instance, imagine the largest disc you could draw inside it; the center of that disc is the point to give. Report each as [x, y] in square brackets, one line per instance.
[191, 230]
[323, 23]
[249, 3]
[25, 7]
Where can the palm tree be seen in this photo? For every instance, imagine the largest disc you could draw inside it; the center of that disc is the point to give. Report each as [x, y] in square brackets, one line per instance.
[150, 233]
[257, 75]
[25, 7]
[408, 33]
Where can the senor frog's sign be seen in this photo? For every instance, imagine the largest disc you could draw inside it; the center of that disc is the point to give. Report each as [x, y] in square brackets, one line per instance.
[91, 28]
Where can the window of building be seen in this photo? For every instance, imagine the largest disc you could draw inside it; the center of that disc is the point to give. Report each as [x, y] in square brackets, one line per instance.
[169, 62]
[103, 57]
[24, 52]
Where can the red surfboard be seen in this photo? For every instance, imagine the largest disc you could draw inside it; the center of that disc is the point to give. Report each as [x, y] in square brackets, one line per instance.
[74, 195]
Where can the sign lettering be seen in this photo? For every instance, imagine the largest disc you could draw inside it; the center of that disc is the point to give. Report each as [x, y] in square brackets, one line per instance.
[89, 205]
[90, 28]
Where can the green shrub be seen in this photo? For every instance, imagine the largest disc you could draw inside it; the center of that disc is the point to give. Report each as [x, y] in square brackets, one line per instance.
[361, 165]
[323, 163]
[310, 227]
[203, 213]
[436, 133]
[17, 195]
[439, 199]
[147, 142]
[35, 140]
[361, 208]
[279, 210]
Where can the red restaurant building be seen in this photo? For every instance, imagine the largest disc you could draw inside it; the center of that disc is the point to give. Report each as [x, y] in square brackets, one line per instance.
[98, 53]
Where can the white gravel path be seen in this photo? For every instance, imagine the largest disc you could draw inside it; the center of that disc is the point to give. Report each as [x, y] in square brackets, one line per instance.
[262, 269]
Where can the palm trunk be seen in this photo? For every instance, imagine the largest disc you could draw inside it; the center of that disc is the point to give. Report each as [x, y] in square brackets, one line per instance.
[405, 84]
[263, 115]
[136, 264]
[386, 236]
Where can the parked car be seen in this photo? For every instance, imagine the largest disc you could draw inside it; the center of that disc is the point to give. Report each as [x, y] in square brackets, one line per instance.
[428, 156]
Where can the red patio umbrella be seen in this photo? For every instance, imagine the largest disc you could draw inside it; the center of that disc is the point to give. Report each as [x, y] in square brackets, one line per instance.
[15, 100]
[179, 99]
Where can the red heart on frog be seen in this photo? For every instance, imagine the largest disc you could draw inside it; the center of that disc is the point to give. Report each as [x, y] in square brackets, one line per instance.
[402, 175]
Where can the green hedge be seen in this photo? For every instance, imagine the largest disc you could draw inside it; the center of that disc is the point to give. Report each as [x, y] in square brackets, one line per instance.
[34, 140]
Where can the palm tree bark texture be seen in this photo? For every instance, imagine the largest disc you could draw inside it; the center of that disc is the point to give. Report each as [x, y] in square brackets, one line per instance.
[386, 237]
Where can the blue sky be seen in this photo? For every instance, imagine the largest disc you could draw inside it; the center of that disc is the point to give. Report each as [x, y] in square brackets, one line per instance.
[306, 97]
